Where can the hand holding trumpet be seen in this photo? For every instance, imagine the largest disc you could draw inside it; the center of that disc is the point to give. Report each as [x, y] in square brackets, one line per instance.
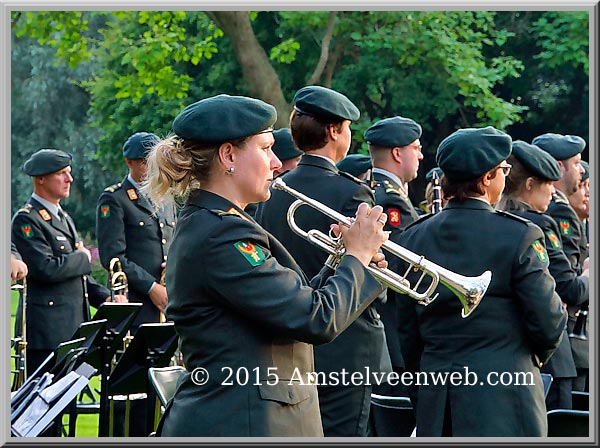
[365, 235]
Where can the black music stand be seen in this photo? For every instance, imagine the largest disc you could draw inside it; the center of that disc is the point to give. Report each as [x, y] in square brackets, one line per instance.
[152, 346]
[119, 318]
[49, 400]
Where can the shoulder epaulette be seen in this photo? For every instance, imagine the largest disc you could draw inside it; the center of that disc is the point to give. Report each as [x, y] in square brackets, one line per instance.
[26, 208]
[351, 177]
[512, 216]
[559, 199]
[231, 211]
[113, 187]
[389, 188]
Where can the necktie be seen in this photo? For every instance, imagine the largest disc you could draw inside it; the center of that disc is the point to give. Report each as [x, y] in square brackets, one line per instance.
[61, 215]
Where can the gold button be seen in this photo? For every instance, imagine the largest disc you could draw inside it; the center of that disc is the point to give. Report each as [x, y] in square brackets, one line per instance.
[173, 223]
[164, 257]
[141, 223]
[164, 241]
[51, 303]
[62, 247]
[377, 316]
[162, 224]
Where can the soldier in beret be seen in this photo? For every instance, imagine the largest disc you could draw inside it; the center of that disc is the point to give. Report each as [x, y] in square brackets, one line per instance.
[243, 309]
[529, 190]
[320, 125]
[518, 323]
[59, 265]
[580, 201]
[566, 149]
[358, 165]
[129, 228]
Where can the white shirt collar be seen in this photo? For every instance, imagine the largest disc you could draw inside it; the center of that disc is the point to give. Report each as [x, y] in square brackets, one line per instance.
[392, 176]
[52, 208]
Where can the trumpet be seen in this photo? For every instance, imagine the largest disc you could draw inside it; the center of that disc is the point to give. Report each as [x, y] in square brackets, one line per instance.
[117, 279]
[19, 342]
[469, 290]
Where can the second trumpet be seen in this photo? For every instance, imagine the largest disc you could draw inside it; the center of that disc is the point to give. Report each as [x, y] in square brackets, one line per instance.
[469, 290]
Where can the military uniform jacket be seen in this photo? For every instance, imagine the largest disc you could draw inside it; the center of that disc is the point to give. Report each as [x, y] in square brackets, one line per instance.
[128, 229]
[571, 229]
[241, 304]
[572, 289]
[55, 283]
[362, 344]
[519, 322]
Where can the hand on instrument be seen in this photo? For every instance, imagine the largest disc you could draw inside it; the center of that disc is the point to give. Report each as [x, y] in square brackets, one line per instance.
[379, 260]
[365, 236]
[18, 269]
[79, 246]
[119, 298]
[158, 295]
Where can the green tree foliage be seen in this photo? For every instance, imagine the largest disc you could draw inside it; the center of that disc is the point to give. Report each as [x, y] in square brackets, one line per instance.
[135, 70]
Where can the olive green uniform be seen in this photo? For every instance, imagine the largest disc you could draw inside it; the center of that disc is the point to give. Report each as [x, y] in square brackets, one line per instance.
[516, 327]
[244, 311]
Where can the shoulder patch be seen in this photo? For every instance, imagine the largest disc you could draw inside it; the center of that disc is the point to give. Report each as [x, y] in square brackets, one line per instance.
[554, 239]
[253, 254]
[565, 227]
[113, 187]
[350, 176]
[540, 251]
[394, 218]
[513, 216]
[104, 211]
[27, 231]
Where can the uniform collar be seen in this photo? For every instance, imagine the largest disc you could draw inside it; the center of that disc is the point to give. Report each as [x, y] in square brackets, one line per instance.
[398, 183]
[470, 203]
[133, 182]
[211, 201]
[318, 160]
[52, 208]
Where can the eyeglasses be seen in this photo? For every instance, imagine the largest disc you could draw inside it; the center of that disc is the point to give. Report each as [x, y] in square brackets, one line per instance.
[505, 168]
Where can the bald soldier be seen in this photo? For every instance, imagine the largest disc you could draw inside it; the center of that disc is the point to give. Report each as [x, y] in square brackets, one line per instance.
[59, 282]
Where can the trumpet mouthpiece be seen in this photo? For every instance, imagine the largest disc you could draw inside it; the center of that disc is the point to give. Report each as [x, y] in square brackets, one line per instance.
[278, 184]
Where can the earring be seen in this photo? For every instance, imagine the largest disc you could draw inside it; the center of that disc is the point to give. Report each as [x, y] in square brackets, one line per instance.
[230, 171]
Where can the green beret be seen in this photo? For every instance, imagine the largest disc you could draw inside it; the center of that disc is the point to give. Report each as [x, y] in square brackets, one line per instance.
[429, 175]
[284, 147]
[470, 153]
[224, 118]
[139, 144]
[392, 132]
[586, 170]
[560, 147]
[325, 104]
[46, 161]
[536, 161]
[355, 164]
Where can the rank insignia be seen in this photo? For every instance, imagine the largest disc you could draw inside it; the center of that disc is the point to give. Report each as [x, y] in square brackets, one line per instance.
[27, 231]
[104, 211]
[554, 240]
[565, 227]
[45, 215]
[233, 211]
[540, 251]
[132, 194]
[252, 253]
[394, 217]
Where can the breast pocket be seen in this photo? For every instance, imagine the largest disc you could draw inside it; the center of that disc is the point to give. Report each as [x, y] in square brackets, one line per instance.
[285, 393]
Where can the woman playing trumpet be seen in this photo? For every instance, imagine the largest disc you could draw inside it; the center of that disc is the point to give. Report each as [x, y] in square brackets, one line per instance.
[245, 313]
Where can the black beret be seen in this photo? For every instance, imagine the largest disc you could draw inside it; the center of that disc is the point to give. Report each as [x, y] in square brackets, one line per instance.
[586, 170]
[429, 175]
[470, 153]
[355, 164]
[560, 147]
[46, 161]
[392, 132]
[325, 104]
[224, 118]
[284, 147]
[139, 144]
[536, 161]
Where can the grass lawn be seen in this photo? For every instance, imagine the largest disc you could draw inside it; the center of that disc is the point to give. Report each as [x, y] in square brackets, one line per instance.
[87, 425]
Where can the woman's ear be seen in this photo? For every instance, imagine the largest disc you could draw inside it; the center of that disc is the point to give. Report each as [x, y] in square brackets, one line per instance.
[227, 155]
[529, 183]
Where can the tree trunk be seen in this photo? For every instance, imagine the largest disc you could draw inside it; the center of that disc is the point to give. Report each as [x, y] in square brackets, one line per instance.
[262, 80]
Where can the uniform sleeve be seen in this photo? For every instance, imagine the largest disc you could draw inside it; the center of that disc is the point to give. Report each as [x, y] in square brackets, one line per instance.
[14, 251]
[37, 253]
[110, 231]
[571, 232]
[240, 268]
[573, 289]
[543, 313]
[97, 293]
